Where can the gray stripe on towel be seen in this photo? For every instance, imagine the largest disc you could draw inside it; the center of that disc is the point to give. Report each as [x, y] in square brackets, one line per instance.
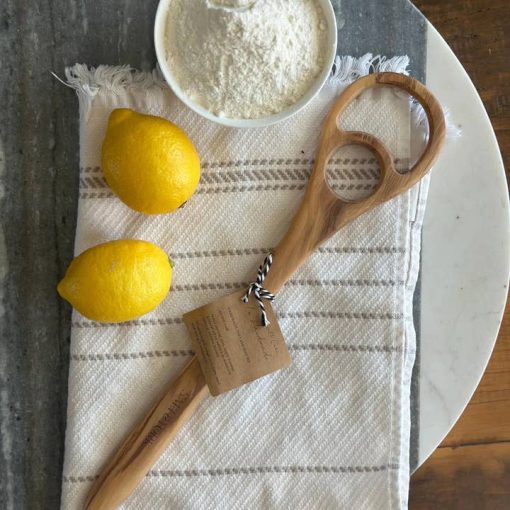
[306, 314]
[251, 470]
[294, 283]
[122, 356]
[263, 251]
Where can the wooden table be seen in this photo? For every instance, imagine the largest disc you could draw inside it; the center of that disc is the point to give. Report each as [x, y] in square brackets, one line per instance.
[471, 468]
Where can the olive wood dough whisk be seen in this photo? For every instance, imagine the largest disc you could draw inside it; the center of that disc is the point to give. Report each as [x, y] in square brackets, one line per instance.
[322, 213]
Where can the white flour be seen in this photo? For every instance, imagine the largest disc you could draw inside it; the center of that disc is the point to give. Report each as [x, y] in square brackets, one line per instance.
[245, 58]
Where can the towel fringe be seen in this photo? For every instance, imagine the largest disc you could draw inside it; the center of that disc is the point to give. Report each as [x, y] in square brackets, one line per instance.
[346, 69]
[419, 121]
[89, 81]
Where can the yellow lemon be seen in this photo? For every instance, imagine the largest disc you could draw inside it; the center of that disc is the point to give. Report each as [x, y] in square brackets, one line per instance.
[117, 281]
[150, 163]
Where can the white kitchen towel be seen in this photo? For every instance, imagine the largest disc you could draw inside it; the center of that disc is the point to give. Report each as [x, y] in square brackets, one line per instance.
[331, 431]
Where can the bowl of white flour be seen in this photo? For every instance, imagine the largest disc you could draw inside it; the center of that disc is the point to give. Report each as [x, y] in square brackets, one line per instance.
[245, 63]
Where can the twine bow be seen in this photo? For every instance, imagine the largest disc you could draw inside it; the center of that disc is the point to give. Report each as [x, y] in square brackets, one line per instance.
[259, 291]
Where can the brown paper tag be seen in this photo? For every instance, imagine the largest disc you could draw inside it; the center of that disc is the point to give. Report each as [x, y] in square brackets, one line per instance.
[233, 348]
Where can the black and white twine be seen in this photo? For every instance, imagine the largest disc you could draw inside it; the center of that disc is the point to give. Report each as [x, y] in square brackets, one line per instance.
[259, 292]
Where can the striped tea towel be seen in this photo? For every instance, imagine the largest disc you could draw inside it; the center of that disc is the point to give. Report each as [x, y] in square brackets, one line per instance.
[330, 432]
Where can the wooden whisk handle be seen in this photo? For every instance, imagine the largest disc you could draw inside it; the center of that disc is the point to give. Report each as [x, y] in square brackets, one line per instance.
[322, 212]
[126, 469]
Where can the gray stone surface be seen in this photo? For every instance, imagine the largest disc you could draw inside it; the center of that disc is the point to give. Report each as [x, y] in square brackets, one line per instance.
[38, 197]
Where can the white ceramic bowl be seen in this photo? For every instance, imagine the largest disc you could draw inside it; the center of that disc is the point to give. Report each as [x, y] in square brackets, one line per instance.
[159, 42]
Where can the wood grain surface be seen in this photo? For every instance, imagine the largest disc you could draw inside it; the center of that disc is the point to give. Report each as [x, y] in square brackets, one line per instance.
[322, 212]
[150, 438]
[471, 468]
